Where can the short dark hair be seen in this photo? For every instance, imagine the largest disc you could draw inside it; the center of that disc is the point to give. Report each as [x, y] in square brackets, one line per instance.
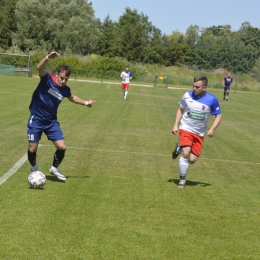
[64, 68]
[204, 79]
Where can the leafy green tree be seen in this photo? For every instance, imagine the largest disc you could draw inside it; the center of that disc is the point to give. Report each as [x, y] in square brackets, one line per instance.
[251, 36]
[134, 36]
[178, 54]
[218, 46]
[191, 35]
[7, 22]
[176, 37]
[64, 25]
[256, 70]
[154, 49]
[106, 45]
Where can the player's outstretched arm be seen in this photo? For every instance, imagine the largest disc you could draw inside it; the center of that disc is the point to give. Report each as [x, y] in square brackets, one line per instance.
[80, 101]
[215, 125]
[41, 66]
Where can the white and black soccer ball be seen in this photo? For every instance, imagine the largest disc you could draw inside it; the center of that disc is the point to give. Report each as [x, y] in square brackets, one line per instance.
[36, 179]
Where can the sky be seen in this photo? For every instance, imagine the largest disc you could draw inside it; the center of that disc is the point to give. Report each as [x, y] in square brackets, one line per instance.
[178, 15]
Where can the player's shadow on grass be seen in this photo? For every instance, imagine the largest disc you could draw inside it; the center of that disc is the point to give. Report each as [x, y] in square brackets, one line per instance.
[191, 183]
[54, 178]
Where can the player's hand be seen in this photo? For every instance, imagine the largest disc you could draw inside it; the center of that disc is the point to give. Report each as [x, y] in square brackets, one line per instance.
[90, 103]
[210, 133]
[175, 130]
[53, 55]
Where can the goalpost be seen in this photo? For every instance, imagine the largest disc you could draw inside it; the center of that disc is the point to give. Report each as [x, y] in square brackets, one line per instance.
[19, 63]
[160, 81]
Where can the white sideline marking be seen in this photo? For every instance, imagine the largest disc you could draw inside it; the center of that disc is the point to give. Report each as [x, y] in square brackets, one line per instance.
[152, 154]
[13, 169]
[107, 82]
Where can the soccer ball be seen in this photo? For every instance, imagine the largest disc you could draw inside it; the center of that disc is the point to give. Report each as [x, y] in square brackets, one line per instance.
[36, 179]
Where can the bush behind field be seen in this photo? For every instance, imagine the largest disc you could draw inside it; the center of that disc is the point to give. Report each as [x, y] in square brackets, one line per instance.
[97, 67]
[94, 64]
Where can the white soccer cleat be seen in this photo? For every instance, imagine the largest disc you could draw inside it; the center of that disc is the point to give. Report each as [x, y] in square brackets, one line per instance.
[56, 172]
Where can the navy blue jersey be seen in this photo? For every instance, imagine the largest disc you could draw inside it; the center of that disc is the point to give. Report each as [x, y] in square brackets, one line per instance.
[228, 80]
[47, 97]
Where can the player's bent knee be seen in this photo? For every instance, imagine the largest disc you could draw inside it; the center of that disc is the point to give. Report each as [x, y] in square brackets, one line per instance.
[185, 154]
[192, 162]
[193, 159]
[61, 147]
[33, 147]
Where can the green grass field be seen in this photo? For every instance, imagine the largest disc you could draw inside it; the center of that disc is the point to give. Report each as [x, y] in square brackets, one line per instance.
[121, 200]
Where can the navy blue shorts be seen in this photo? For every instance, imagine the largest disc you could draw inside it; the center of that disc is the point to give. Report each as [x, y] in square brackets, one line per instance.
[227, 88]
[35, 129]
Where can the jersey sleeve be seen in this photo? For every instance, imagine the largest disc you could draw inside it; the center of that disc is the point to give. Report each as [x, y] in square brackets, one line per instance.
[182, 103]
[45, 78]
[215, 108]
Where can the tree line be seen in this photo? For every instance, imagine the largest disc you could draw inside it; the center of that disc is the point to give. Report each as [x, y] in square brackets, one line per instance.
[71, 28]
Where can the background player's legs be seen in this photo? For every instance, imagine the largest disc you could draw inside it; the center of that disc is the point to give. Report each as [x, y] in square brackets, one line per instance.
[126, 92]
[227, 94]
[125, 89]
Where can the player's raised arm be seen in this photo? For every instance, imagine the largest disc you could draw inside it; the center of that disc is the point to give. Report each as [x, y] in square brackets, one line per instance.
[41, 66]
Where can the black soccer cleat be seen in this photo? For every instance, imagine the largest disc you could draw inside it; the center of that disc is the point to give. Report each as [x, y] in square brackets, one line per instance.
[175, 153]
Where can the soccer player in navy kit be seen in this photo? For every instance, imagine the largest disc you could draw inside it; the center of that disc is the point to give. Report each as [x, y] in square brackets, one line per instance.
[227, 81]
[195, 109]
[44, 105]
